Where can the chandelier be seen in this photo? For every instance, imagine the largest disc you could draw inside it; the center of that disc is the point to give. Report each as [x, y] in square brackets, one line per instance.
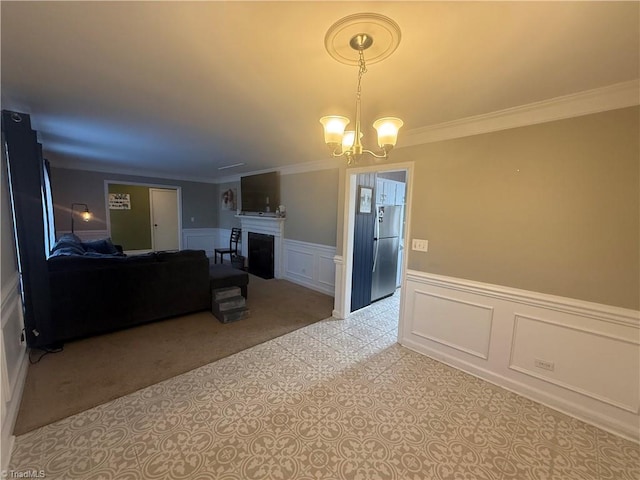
[347, 40]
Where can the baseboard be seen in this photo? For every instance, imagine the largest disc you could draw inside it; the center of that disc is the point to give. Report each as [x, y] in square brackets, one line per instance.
[591, 417]
[534, 344]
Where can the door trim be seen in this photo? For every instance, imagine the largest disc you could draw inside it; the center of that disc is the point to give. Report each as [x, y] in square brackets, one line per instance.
[343, 298]
[152, 215]
[150, 185]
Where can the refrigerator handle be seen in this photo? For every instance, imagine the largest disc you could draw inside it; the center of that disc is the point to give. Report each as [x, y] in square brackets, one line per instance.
[375, 241]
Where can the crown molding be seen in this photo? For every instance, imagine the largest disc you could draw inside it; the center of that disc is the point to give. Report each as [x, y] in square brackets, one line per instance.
[134, 172]
[612, 97]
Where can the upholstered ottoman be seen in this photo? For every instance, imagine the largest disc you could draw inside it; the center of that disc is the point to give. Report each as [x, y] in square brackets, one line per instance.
[222, 276]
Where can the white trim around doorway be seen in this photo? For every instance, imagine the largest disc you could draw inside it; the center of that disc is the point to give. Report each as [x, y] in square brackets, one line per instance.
[149, 185]
[344, 262]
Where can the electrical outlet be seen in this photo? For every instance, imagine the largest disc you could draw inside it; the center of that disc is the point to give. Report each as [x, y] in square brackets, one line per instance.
[544, 364]
[420, 245]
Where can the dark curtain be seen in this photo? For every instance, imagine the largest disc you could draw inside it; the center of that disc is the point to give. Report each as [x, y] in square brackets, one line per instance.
[26, 174]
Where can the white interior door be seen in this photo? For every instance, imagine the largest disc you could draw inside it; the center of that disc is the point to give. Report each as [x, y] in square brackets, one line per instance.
[164, 219]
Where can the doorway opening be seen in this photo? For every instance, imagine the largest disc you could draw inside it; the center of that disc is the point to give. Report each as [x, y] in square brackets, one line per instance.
[144, 217]
[345, 268]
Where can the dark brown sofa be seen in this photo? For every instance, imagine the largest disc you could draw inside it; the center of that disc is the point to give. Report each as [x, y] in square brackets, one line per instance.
[98, 293]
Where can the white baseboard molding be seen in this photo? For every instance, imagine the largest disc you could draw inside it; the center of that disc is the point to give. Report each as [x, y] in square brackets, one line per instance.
[310, 265]
[540, 346]
[615, 426]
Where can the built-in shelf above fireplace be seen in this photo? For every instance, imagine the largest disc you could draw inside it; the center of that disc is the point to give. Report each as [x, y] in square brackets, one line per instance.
[266, 225]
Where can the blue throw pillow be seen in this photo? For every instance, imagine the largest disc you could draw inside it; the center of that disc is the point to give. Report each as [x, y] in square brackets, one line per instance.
[70, 243]
[70, 238]
[104, 246]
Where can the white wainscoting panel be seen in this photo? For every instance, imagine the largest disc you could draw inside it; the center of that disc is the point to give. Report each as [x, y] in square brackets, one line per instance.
[578, 357]
[309, 264]
[465, 326]
[223, 236]
[611, 378]
[206, 239]
[13, 362]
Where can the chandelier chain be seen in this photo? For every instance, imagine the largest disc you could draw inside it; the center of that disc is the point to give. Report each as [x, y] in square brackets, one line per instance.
[361, 72]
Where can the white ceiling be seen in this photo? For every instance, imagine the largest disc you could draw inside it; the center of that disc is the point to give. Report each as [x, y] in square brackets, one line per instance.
[179, 89]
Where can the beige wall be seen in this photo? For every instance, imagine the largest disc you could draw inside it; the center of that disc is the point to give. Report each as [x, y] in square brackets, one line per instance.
[311, 200]
[551, 208]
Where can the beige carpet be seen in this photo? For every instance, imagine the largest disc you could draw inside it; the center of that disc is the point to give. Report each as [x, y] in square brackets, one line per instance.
[95, 370]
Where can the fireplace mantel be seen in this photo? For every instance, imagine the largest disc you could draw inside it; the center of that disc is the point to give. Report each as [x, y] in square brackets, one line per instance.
[267, 225]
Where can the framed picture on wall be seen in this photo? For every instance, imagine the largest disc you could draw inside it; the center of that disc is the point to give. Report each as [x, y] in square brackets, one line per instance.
[119, 201]
[365, 196]
[228, 199]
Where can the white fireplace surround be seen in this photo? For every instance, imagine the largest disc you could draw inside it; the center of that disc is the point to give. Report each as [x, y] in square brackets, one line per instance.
[268, 226]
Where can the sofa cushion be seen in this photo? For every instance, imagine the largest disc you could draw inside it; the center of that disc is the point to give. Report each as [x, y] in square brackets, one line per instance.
[64, 248]
[90, 261]
[67, 244]
[181, 255]
[70, 237]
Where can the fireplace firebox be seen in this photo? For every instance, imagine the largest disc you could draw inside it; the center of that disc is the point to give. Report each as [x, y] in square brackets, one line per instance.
[261, 252]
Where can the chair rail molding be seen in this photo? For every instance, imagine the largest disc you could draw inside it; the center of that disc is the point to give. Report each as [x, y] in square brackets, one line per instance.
[537, 345]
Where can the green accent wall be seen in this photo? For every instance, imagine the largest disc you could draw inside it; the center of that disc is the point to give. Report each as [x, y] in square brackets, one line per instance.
[132, 228]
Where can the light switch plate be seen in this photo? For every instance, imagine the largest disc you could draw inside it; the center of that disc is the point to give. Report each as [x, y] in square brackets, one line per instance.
[420, 245]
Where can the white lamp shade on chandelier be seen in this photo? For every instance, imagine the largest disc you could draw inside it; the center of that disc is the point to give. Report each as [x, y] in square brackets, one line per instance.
[334, 126]
[387, 129]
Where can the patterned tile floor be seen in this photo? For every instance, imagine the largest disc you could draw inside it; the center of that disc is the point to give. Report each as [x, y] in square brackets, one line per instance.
[335, 400]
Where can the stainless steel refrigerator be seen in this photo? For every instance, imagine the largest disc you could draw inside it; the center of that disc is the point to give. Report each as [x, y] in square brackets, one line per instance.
[386, 243]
